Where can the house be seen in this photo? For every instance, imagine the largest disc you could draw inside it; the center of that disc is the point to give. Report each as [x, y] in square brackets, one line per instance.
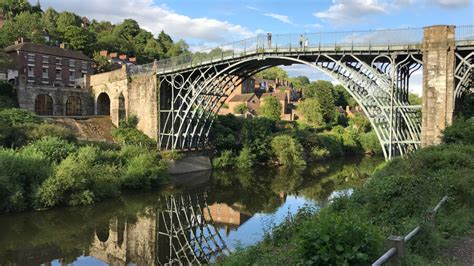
[118, 60]
[49, 80]
[245, 86]
[248, 99]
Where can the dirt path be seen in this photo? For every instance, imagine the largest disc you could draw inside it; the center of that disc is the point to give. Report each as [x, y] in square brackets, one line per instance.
[461, 251]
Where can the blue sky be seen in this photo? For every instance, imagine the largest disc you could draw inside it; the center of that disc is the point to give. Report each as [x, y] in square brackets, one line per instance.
[207, 23]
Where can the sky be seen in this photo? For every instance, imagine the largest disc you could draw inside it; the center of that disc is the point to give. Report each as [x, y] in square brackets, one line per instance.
[208, 23]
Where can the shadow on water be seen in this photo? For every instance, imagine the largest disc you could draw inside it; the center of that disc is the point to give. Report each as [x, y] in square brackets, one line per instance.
[198, 217]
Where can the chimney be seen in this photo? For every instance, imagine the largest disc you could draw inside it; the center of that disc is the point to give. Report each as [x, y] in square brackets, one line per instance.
[113, 55]
[104, 53]
[123, 57]
[62, 45]
[133, 60]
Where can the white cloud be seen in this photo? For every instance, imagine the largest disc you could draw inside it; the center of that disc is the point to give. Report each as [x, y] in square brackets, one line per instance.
[282, 18]
[345, 12]
[452, 3]
[252, 8]
[153, 18]
[311, 27]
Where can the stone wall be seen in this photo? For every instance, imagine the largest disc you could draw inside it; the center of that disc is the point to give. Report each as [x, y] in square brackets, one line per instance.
[27, 93]
[438, 82]
[139, 93]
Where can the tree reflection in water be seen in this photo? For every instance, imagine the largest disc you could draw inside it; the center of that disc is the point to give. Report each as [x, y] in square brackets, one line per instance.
[175, 224]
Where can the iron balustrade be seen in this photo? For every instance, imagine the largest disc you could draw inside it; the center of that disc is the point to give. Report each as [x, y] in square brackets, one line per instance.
[307, 41]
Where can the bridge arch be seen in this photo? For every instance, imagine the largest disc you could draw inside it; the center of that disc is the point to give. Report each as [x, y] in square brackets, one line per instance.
[372, 85]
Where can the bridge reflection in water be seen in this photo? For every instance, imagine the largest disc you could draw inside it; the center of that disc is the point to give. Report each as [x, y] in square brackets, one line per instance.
[194, 224]
[183, 232]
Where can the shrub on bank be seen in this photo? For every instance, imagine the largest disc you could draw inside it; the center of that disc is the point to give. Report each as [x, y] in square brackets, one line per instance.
[44, 130]
[53, 148]
[246, 158]
[288, 150]
[370, 143]
[462, 132]
[224, 160]
[21, 173]
[143, 171]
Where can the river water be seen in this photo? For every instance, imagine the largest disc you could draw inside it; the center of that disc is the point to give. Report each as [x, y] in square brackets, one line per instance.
[196, 219]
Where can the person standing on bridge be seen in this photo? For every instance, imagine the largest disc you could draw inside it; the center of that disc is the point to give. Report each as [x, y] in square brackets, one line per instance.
[306, 43]
[301, 41]
[269, 40]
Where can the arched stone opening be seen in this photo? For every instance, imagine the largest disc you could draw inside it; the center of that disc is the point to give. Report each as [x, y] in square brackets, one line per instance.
[103, 104]
[44, 105]
[74, 106]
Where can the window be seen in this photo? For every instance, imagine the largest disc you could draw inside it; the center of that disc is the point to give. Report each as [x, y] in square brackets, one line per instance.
[72, 75]
[45, 72]
[31, 57]
[59, 61]
[45, 59]
[31, 71]
[84, 65]
[72, 63]
[58, 74]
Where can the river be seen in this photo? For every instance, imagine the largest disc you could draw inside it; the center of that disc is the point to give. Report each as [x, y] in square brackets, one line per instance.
[196, 219]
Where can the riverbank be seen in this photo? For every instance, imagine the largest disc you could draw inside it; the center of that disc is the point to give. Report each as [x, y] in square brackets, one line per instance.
[352, 230]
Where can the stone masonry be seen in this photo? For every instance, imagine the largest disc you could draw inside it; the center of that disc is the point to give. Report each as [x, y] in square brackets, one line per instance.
[129, 95]
[438, 82]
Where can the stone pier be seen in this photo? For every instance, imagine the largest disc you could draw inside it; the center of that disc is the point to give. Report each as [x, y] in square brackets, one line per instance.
[438, 82]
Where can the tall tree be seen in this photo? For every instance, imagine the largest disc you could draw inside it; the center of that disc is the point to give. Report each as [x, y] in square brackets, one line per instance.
[270, 108]
[26, 25]
[79, 39]
[12, 8]
[66, 19]
[311, 110]
[272, 73]
[342, 97]
[324, 93]
[128, 29]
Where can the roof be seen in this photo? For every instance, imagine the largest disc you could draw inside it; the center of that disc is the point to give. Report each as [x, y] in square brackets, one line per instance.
[279, 95]
[47, 50]
[242, 97]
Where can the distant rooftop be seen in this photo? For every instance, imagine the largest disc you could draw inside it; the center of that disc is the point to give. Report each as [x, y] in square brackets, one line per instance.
[46, 50]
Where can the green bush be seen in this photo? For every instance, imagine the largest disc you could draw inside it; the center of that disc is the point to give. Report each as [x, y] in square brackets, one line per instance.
[246, 158]
[330, 142]
[359, 123]
[20, 176]
[370, 143]
[18, 116]
[80, 180]
[132, 136]
[332, 238]
[144, 171]
[288, 150]
[241, 108]
[51, 130]
[53, 148]
[462, 132]
[224, 160]
[318, 153]
[7, 102]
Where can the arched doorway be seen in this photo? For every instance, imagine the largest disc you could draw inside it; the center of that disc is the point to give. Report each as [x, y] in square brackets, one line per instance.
[103, 104]
[44, 105]
[73, 106]
[122, 111]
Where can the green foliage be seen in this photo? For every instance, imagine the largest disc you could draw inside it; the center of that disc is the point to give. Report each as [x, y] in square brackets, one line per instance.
[44, 130]
[370, 143]
[18, 116]
[53, 148]
[79, 38]
[414, 99]
[224, 160]
[466, 107]
[21, 173]
[270, 108]
[241, 108]
[143, 171]
[272, 73]
[128, 134]
[257, 134]
[288, 150]
[80, 180]
[342, 97]
[462, 132]
[359, 123]
[311, 110]
[246, 158]
[338, 239]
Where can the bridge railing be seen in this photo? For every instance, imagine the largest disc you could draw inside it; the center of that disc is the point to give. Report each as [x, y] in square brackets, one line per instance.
[309, 41]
